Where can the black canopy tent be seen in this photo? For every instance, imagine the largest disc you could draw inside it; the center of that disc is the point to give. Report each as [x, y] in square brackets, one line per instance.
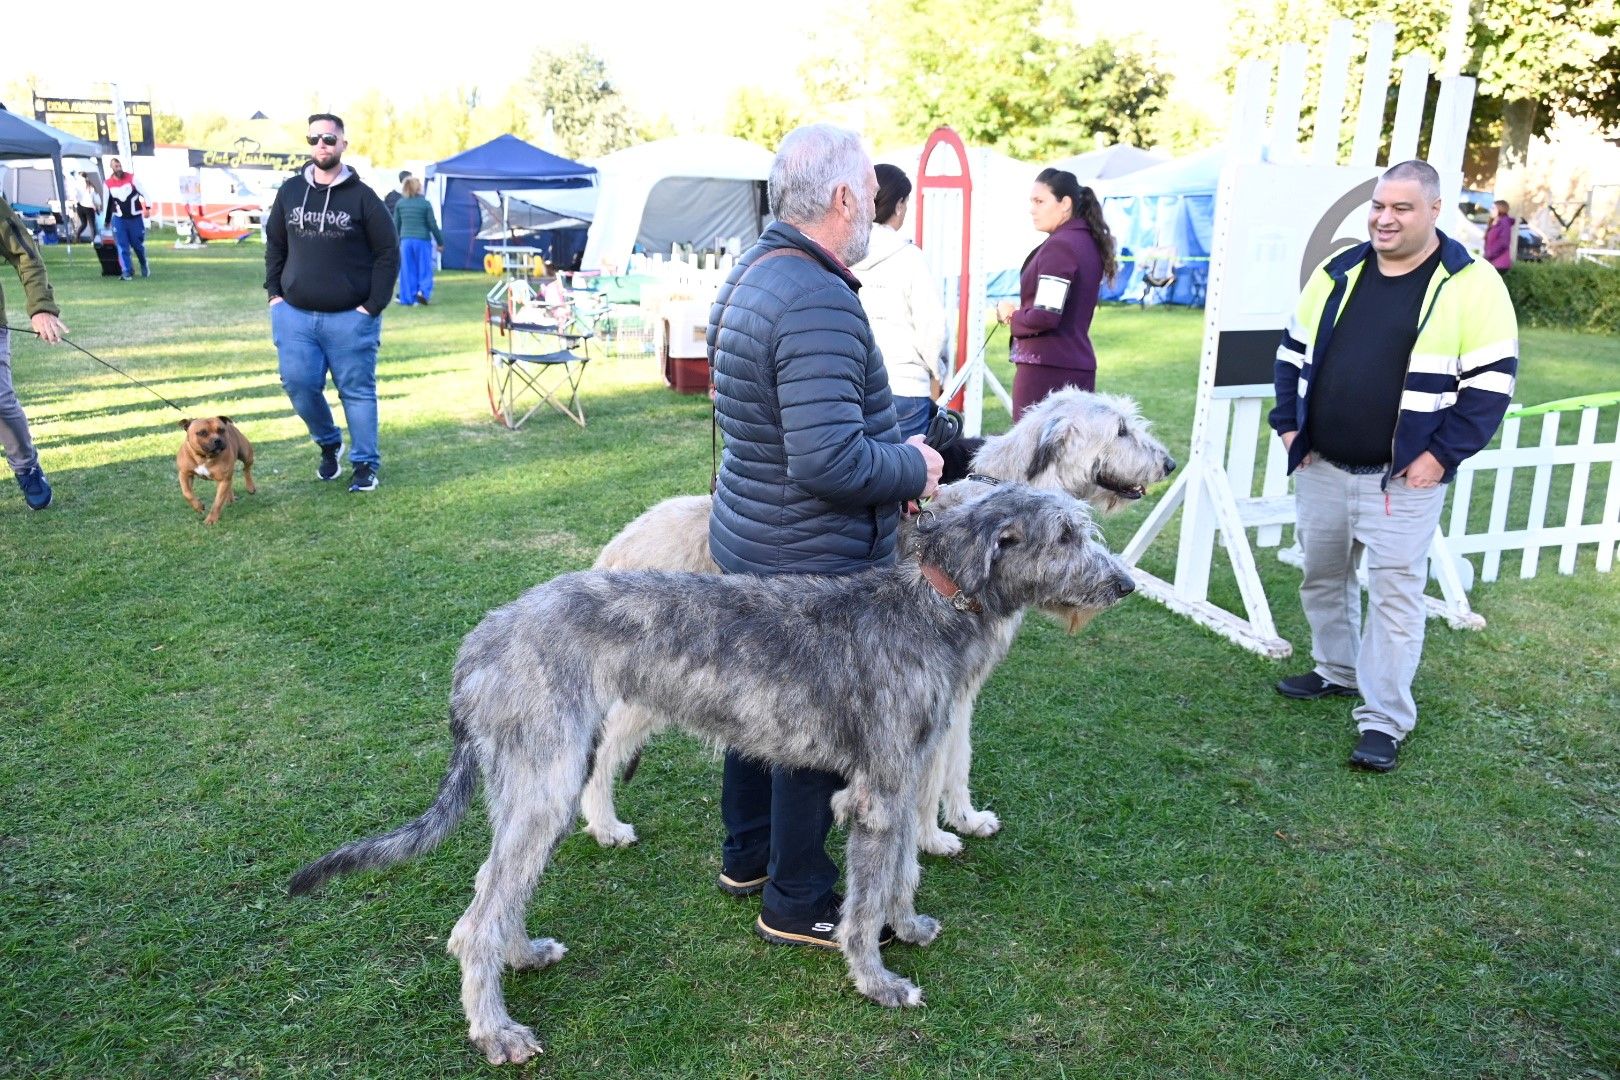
[24, 137]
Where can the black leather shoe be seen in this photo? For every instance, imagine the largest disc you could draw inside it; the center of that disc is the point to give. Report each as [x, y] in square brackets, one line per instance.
[1376, 751]
[1310, 686]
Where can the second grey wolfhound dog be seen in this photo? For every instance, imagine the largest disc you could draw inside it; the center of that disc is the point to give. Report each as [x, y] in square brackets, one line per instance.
[1096, 447]
[853, 674]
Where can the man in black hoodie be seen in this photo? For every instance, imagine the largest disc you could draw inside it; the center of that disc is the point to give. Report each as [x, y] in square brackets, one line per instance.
[330, 258]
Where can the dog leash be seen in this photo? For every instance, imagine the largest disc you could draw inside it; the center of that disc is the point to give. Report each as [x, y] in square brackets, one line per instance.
[99, 360]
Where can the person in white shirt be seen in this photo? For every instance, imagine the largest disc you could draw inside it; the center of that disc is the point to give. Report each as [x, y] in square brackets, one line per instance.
[902, 301]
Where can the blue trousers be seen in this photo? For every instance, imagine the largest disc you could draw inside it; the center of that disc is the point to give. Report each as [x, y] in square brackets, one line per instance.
[311, 343]
[415, 270]
[914, 414]
[130, 233]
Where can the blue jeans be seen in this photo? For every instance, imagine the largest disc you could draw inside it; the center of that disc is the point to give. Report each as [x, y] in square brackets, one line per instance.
[311, 343]
[415, 270]
[130, 233]
[914, 415]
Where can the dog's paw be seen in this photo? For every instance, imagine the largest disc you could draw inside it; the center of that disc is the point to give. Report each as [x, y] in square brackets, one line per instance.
[978, 823]
[211, 519]
[936, 841]
[918, 930]
[893, 992]
[511, 1043]
[541, 952]
[613, 834]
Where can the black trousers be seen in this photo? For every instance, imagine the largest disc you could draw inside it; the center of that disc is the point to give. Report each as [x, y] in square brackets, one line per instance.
[777, 822]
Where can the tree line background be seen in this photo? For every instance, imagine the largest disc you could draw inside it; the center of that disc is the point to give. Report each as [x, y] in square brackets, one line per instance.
[1019, 76]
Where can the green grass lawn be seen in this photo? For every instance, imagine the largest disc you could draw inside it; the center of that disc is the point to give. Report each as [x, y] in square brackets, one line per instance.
[1190, 882]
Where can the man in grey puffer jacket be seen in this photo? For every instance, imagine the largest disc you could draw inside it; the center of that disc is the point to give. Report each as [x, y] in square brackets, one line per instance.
[812, 480]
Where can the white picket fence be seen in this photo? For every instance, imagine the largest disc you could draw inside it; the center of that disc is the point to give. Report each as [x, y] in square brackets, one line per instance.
[1547, 459]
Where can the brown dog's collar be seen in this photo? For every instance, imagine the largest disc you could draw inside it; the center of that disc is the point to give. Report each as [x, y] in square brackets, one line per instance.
[949, 589]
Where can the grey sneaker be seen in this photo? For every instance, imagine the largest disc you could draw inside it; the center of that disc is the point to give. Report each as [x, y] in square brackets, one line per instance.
[331, 454]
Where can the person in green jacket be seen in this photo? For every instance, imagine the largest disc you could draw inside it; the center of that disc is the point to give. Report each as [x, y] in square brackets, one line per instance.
[18, 249]
[418, 234]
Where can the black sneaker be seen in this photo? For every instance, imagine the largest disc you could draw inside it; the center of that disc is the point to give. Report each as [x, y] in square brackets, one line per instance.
[1310, 686]
[1375, 750]
[364, 478]
[420, 299]
[35, 488]
[806, 930]
[741, 884]
[330, 456]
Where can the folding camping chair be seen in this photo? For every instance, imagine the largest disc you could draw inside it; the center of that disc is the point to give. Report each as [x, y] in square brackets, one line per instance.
[537, 350]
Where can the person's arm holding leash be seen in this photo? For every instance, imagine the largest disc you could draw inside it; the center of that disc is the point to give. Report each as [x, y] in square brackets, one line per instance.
[18, 249]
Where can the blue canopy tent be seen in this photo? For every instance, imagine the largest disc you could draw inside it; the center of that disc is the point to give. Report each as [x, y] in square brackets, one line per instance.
[505, 163]
[1169, 207]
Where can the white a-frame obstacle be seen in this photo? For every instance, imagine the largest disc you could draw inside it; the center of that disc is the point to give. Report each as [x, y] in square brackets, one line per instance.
[1282, 208]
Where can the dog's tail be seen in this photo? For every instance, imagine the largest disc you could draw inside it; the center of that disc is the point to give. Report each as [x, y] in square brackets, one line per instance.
[409, 840]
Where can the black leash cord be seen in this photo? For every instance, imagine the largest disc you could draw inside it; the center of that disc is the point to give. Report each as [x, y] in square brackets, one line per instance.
[99, 360]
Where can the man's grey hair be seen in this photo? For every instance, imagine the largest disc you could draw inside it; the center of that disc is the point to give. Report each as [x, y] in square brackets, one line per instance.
[1418, 170]
[810, 164]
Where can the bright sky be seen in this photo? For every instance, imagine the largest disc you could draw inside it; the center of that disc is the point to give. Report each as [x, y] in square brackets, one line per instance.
[681, 58]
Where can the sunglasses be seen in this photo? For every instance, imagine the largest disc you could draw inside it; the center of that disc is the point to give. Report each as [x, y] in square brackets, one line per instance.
[329, 140]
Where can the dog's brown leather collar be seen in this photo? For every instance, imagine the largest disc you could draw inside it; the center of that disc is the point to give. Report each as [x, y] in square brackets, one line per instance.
[949, 589]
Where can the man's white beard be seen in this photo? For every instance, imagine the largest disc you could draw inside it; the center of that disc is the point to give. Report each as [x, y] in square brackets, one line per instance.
[857, 247]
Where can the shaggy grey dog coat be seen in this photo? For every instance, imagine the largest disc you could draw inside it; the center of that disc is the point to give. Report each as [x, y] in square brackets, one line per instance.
[853, 674]
[1096, 447]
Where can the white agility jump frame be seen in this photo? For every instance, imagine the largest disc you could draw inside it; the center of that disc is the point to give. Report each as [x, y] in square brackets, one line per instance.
[1275, 220]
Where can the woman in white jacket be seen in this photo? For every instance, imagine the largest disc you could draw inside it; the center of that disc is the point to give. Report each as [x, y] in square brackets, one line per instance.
[902, 302]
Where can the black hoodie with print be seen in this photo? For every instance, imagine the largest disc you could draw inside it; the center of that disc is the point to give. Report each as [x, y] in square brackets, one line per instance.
[330, 247]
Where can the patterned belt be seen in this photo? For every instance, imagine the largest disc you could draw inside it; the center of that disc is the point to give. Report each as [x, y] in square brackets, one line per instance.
[1356, 470]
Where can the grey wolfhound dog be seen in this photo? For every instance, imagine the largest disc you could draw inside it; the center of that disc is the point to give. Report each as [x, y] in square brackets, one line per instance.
[1096, 447]
[854, 674]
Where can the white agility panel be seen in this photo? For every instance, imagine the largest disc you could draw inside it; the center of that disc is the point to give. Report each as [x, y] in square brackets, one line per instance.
[1277, 216]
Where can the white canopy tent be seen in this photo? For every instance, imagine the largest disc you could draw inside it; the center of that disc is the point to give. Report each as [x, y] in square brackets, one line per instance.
[1110, 162]
[687, 189]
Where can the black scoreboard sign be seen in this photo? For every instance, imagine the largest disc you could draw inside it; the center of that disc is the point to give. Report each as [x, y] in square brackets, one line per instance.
[93, 120]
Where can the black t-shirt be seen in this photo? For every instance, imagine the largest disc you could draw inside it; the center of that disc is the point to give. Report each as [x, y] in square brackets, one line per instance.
[1355, 395]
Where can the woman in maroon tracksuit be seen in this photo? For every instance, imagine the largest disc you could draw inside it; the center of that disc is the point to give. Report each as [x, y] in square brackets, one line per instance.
[1057, 292]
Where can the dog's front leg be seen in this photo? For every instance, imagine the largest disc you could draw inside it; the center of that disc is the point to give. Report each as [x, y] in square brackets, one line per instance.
[187, 490]
[222, 495]
[956, 803]
[870, 865]
[903, 875]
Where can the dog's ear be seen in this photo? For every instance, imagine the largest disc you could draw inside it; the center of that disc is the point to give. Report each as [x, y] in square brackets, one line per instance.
[185, 425]
[1048, 446]
[990, 541]
[224, 419]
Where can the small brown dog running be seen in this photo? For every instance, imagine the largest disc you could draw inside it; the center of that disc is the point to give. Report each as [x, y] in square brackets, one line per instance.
[212, 448]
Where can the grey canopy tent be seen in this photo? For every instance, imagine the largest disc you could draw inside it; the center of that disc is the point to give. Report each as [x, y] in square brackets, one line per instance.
[23, 137]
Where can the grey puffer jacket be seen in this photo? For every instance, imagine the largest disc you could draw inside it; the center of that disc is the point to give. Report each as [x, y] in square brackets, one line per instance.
[814, 473]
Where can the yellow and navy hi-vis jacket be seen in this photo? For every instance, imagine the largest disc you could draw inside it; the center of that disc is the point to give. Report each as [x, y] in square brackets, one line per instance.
[1459, 378]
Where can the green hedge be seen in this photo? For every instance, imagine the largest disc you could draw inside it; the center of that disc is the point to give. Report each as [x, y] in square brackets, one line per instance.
[1569, 296]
